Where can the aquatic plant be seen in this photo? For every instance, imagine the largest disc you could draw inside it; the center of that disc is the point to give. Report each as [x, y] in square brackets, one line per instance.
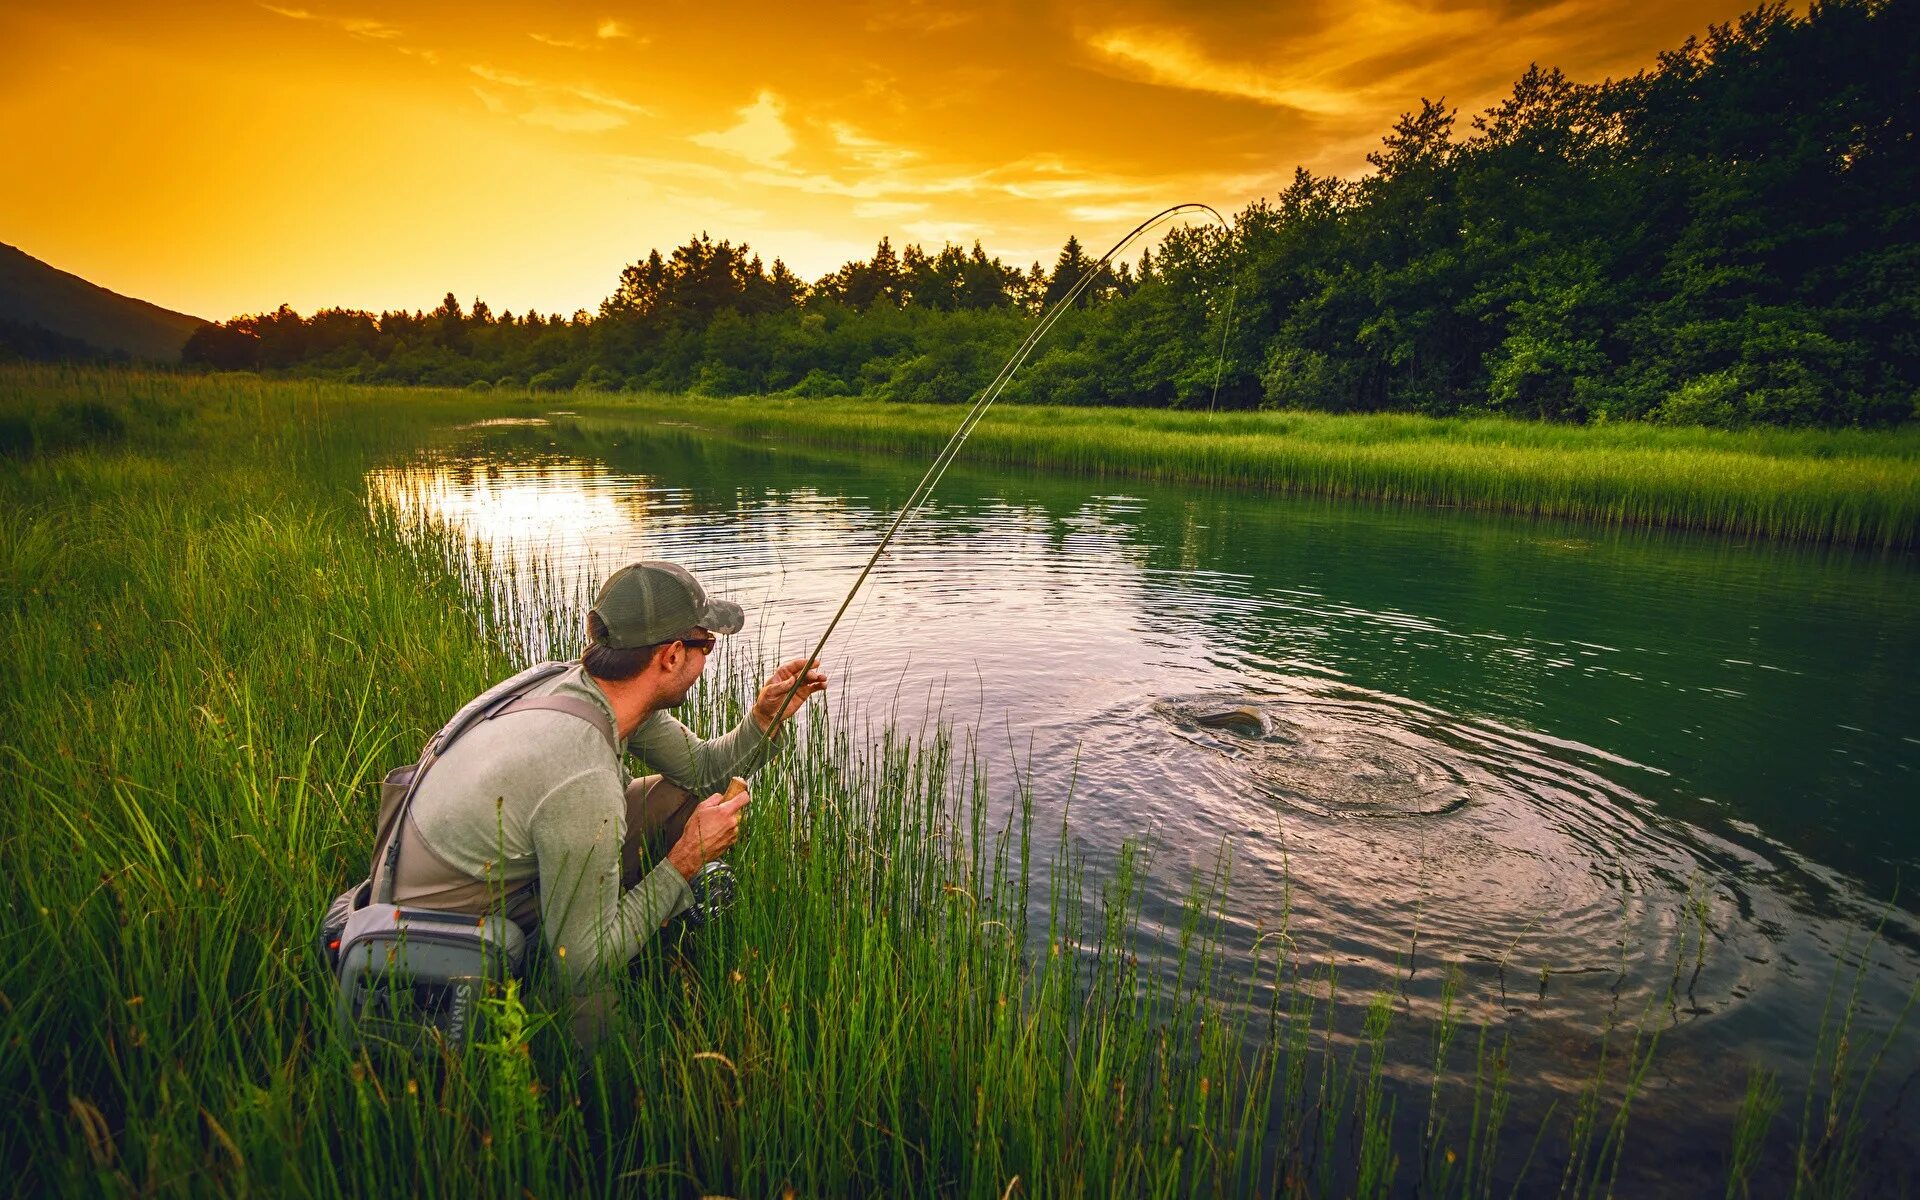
[1846, 486]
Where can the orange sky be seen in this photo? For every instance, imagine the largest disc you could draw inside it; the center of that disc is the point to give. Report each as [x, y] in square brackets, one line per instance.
[226, 157]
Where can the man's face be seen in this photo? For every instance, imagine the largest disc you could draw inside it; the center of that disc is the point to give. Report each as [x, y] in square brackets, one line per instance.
[693, 660]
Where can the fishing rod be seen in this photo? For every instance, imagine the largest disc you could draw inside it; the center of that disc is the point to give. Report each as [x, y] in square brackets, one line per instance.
[951, 450]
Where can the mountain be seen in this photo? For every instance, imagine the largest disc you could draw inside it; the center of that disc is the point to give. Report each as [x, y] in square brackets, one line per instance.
[45, 312]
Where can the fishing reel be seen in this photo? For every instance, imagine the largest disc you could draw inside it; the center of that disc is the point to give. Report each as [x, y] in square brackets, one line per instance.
[714, 888]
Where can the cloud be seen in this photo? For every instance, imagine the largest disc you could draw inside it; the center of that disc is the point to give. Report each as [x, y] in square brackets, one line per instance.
[360, 27]
[869, 152]
[547, 105]
[1049, 179]
[605, 31]
[367, 27]
[1371, 59]
[504, 78]
[1170, 58]
[761, 134]
[614, 102]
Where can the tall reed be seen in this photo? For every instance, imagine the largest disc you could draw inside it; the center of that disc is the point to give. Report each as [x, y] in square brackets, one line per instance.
[1850, 486]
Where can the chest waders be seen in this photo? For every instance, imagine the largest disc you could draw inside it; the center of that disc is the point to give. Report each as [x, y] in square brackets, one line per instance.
[408, 975]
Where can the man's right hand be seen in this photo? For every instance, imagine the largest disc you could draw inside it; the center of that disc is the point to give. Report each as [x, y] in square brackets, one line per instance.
[710, 831]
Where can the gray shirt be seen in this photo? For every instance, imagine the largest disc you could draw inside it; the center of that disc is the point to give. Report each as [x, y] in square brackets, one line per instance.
[542, 795]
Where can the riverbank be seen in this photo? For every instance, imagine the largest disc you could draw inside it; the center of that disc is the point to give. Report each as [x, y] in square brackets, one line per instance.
[216, 648]
[1846, 486]
[1849, 486]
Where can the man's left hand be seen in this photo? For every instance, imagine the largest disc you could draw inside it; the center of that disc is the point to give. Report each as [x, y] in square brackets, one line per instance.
[767, 708]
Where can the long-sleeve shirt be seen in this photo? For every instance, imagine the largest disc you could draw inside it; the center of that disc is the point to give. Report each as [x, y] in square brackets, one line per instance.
[542, 794]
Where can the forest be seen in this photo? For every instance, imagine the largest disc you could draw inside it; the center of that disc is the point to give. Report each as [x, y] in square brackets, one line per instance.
[1728, 238]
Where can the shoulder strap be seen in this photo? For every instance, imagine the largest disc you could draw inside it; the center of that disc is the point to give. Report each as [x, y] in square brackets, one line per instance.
[487, 704]
[573, 706]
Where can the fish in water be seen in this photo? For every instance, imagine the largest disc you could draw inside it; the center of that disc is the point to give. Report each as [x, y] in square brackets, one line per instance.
[1246, 720]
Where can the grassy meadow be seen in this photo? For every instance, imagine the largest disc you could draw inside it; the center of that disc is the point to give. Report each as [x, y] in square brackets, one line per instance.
[215, 648]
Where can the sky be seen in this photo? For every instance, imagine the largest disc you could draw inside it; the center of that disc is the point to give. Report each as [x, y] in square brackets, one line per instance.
[228, 157]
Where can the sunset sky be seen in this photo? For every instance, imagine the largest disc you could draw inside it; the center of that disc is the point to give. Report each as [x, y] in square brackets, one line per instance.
[221, 158]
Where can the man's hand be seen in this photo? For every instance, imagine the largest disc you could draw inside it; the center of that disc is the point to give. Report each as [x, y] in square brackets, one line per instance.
[710, 831]
[767, 708]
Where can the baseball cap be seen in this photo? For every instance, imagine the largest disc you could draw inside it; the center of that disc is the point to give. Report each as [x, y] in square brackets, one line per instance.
[646, 603]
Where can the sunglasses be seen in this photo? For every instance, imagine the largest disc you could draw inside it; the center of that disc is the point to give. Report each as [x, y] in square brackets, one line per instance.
[703, 644]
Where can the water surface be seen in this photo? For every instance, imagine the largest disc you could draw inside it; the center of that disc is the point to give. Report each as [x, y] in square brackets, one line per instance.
[1603, 774]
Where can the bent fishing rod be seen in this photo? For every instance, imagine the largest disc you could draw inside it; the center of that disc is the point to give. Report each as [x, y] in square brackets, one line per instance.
[988, 395]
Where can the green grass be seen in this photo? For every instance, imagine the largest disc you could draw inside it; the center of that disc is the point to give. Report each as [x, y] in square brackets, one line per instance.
[1853, 486]
[214, 651]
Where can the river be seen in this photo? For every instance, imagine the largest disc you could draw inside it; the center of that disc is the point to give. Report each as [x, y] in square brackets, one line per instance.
[1605, 775]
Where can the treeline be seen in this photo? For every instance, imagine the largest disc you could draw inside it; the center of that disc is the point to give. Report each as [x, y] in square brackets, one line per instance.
[1730, 237]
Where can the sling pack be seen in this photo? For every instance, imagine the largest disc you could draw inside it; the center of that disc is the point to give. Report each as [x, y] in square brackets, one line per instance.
[406, 973]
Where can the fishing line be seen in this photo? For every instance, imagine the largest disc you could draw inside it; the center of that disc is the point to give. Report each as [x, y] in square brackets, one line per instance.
[1220, 362]
[951, 450]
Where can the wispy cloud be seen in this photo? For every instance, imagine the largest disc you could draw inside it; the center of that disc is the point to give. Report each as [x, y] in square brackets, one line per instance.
[604, 33]
[760, 135]
[360, 27]
[1170, 58]
[592, 96]
[546, 104]
[1374, 57]
[503, 78]
[367, 27]
[869, 152]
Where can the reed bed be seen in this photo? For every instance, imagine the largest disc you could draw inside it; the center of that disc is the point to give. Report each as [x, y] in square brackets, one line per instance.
[1849, 486]
[215, 648]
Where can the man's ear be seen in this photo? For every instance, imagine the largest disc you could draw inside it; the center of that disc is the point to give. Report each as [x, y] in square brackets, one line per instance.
[665, 657]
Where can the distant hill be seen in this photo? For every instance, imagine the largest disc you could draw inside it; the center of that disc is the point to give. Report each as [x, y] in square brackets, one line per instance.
[47, 313]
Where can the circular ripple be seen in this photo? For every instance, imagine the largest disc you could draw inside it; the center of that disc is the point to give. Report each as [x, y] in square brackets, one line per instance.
[1487, 844]
[1336, 767]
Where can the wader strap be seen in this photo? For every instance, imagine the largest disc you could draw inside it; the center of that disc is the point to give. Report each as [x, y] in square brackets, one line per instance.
[499, 698]
[586, 710]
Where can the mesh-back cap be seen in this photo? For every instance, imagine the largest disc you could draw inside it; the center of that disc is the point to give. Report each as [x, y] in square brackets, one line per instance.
[646, 603]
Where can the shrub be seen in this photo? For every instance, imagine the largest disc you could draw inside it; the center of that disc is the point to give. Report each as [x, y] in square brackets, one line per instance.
[1713, 399]
[718, 379]
[819, 384]
[1294, 378]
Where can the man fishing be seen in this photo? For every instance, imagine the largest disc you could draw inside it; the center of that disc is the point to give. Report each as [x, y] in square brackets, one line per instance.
[535, 814]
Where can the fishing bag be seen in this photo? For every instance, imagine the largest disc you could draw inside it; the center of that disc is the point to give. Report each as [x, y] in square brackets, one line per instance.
[406, 974]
